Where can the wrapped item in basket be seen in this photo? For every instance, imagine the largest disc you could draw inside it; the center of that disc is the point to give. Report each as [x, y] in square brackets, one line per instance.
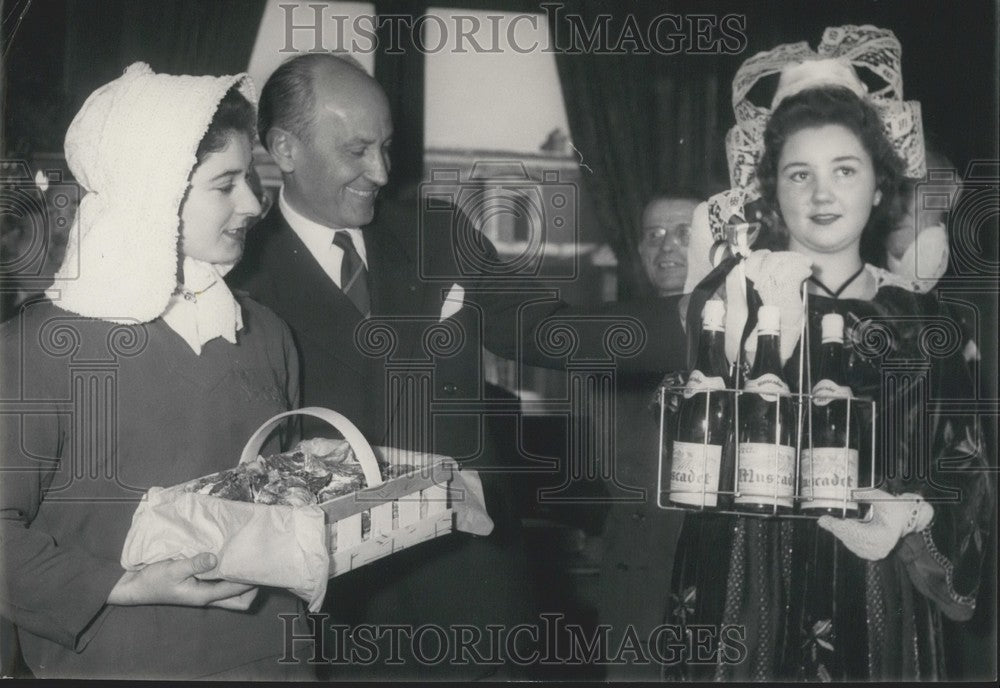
[293, 520]
[273, 545]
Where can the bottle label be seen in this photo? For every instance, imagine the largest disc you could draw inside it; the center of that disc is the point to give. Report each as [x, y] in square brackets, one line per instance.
[699, 382]
[826, 390]
[829, 477]
[768, 386]
[766, 475]
[695, 467]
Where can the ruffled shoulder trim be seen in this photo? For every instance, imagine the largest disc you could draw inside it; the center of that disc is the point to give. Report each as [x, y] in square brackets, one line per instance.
[884, 278]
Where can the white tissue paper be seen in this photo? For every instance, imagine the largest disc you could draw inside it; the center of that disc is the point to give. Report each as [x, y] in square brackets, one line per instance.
[272, 545]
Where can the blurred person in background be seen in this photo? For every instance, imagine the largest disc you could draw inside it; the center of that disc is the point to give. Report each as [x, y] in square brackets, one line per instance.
[663, 244]
[639, 538]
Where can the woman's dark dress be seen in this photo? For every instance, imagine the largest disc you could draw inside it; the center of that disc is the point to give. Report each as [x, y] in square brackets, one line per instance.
[799, 605]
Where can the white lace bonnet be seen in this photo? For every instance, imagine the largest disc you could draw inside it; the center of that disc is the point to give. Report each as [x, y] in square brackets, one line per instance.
[842, 51]
[132, 147]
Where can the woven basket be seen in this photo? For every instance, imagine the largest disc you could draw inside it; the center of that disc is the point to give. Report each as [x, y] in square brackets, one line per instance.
[387, 516]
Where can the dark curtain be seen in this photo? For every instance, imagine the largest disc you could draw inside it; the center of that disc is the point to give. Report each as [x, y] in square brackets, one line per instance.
[644, 125]
[399, 67]
[182, 37]
[64, 49]
[173, 36]
[32, 64]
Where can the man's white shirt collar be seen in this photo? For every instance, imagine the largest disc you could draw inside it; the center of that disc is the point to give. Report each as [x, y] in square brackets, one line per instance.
[319, 239]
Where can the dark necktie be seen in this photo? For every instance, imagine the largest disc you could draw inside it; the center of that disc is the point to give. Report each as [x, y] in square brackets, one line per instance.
[353, 274]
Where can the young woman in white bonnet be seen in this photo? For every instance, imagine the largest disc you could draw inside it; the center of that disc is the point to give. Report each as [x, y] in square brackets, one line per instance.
[838, 599]
[141, 369]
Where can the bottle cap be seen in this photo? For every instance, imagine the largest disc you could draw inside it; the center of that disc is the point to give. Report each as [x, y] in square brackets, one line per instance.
[832, 326]
[714, 316]
[768, 320]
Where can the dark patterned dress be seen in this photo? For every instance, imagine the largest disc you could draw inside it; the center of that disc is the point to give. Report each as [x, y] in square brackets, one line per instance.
[783, 599]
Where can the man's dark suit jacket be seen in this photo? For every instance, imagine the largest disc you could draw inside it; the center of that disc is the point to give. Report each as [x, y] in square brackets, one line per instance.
[382, 373]
[412, 265]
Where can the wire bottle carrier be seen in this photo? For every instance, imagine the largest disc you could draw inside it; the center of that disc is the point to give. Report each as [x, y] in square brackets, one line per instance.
[710, 496]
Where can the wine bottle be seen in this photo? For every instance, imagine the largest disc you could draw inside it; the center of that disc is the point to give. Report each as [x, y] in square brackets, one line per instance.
[698, 471]
[766, 476]
[829, 466]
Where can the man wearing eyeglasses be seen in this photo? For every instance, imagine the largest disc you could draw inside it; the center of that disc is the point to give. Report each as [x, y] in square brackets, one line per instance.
[663, 245]
[640, 539]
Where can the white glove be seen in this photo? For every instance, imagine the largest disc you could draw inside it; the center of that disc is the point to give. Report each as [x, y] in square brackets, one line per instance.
[699, 245]
[892, 518]
[736, 313]
[777, 276]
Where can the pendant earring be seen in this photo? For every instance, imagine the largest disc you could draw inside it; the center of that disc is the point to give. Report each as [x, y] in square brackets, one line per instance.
[878, 198]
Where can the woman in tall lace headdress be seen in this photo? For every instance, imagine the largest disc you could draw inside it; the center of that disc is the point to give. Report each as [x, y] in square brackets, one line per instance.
[841, 598]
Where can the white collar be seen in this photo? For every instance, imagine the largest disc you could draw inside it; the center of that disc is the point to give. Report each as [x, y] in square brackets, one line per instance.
[203, 308]
[319, 238]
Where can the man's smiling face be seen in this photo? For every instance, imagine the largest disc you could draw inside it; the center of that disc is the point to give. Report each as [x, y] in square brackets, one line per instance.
[343, 161]
[666, 227]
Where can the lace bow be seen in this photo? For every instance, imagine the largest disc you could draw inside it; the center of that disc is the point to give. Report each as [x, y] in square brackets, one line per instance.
[842, 53]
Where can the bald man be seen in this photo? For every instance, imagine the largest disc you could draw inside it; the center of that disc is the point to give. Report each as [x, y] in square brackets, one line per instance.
[333, 268]
[327, 126]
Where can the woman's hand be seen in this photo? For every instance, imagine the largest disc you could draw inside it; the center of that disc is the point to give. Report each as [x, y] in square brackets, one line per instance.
[176, 582]
[892, 517]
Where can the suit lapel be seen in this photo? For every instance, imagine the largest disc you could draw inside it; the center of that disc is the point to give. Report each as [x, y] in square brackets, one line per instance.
[399, 294]
[311, 303]
[392, 267]
[398, 290]
[317, 310]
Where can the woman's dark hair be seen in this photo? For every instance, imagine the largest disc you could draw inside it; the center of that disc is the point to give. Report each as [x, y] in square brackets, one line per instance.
[234, 114]
[817, 107]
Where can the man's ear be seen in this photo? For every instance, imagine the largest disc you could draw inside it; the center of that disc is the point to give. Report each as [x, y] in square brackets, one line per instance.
[282, 145]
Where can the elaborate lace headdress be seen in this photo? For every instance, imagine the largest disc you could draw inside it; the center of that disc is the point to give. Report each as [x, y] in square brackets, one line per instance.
[842, 53]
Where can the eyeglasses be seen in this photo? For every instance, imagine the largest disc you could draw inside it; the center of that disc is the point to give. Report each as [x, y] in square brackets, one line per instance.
[679, 233]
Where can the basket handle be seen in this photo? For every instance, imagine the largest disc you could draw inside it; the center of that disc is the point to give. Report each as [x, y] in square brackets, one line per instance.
[362, 450]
